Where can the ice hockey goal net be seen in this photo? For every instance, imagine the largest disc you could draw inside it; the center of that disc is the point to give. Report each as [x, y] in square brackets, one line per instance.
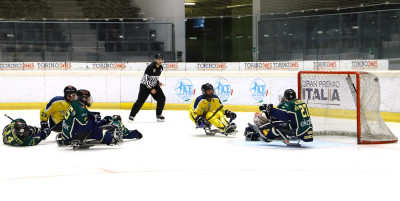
[345, 103]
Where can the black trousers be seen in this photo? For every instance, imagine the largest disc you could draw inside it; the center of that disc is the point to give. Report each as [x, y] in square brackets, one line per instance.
[144, 92]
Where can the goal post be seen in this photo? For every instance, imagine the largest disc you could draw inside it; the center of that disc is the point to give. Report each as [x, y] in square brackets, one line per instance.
[345, 103]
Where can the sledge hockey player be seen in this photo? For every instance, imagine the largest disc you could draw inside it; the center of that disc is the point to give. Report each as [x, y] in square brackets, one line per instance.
[18, 133]
[53, 113]
[80, 124]
[207, 110]
[289, 120]
[115, 120]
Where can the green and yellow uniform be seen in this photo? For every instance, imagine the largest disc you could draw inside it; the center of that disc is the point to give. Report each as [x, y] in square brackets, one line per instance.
[295, 111]
[76, 119]
[33, 138]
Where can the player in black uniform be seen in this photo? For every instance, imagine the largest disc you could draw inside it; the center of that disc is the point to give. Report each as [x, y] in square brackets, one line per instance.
[151, 85]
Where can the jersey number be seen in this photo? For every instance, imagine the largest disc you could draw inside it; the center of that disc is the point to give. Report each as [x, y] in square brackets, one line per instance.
[304, 110]
[70, 109]
[44, 115]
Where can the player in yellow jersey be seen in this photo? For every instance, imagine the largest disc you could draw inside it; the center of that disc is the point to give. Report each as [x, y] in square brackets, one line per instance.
[53, 113]
[207, 110]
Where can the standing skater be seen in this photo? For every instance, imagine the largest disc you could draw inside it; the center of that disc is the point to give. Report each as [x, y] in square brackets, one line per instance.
[151, 85]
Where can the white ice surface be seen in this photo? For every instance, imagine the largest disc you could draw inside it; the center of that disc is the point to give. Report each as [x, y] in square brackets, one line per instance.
[175, 161]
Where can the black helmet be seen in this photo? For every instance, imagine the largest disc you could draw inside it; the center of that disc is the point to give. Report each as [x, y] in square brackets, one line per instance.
[20, 128]
[158, 56]
[289, 94]
[205, 87]
[83, 93]
[68, 90]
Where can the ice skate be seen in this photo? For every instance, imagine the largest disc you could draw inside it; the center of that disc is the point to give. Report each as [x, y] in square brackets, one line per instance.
[160, 118]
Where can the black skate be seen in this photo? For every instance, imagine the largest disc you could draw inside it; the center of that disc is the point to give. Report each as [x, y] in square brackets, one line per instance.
[160, 118]
[131, 118]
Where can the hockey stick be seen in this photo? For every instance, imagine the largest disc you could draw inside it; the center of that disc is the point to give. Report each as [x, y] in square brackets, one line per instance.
[51, 129]
[220, 107]
[9, 117]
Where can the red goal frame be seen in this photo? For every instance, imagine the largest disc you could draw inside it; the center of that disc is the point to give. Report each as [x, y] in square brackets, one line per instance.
[357, 74]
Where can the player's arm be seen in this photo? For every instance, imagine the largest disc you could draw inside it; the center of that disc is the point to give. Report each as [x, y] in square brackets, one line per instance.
[38, 134]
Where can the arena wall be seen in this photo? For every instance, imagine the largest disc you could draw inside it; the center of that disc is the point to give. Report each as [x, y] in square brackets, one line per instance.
[116, 85]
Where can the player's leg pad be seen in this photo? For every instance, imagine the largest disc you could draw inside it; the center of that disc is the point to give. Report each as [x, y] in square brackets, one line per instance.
[251, 134]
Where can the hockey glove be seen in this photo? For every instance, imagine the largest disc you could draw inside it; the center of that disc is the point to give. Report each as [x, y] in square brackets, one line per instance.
[32, 131]
[230, 115]
[266, 108]
[200, 122]
[95, 116]
[45, 133]
[44, 124]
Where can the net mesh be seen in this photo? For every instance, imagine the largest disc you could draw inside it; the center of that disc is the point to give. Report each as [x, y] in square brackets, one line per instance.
[332, 101]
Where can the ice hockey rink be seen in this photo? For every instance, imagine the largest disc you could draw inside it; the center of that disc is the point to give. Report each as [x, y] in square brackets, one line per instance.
[175, 161]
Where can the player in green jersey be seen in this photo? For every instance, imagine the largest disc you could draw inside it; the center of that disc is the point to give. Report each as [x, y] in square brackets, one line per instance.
[18, 133]
[291, 118]
[80, 124]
